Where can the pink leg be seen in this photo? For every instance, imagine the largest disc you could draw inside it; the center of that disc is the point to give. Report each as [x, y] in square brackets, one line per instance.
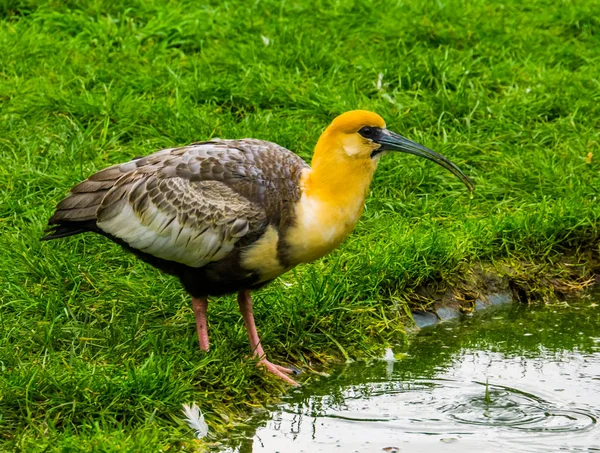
[245, 303]
[200, 306]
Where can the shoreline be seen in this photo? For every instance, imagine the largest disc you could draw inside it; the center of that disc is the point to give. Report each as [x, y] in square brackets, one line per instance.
[504, 282]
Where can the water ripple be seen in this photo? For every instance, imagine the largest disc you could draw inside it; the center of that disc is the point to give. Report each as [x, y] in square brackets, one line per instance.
[512, 408]
[467, 403]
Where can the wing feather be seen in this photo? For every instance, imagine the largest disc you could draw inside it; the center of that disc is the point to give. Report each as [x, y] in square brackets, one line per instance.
[179, 220]
[191, 205]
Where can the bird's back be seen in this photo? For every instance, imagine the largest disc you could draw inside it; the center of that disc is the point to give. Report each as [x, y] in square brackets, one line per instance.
[193, 211]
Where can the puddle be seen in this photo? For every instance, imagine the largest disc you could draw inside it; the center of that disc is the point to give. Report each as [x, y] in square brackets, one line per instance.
[515, 378]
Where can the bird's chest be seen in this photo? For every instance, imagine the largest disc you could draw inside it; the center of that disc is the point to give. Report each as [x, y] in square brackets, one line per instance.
[320, 227]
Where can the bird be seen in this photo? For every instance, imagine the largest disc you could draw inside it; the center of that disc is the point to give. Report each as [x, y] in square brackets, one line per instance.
[229, 216]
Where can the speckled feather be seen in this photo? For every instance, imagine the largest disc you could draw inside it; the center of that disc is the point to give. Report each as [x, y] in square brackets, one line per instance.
[191, 211]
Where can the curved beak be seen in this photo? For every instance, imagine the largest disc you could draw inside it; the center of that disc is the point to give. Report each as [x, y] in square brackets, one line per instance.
[390, 141]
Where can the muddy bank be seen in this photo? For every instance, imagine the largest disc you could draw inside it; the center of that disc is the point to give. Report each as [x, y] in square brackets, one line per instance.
[502, 282]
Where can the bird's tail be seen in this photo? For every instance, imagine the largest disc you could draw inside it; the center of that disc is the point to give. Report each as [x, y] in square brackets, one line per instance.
[77, 212]
[63, 230]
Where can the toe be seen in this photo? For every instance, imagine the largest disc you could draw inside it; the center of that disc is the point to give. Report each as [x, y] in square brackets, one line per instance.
[283, 369]
[278, 371]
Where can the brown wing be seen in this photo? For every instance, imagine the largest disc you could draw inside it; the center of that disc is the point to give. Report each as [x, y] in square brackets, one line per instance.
[189, 205]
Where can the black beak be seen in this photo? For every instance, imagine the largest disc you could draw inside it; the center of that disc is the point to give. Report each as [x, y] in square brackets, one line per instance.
[390, 141]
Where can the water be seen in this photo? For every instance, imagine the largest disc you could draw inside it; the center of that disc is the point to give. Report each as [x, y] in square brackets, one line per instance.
[515, 379]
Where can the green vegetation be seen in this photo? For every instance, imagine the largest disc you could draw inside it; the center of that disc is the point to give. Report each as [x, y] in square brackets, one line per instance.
[97, 350]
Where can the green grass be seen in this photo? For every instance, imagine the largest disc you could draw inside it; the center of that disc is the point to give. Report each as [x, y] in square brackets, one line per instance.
[98, 351]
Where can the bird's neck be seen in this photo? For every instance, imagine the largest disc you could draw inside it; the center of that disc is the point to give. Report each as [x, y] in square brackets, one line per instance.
[338, 184]
[337, 179]
[332, 201]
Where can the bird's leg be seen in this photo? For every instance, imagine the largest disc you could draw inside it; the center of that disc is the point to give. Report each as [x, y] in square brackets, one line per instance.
[200, 306]
[245, 303]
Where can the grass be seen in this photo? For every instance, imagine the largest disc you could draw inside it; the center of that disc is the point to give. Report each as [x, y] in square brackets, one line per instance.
[98, 351]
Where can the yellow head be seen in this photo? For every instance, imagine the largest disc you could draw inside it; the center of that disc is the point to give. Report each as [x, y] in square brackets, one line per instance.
[354, 142]
[342, 166]
[342, 140]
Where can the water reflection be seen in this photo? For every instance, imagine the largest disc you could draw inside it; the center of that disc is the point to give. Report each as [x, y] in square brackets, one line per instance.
[517, 379]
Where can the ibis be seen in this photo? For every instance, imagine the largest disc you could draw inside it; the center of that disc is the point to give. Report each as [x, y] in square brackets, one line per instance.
[230, 216]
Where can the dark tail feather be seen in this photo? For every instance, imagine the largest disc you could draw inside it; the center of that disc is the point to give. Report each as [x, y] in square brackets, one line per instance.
[63, 230]
[77, 212]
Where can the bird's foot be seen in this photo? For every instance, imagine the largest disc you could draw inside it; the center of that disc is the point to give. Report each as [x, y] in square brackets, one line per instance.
[278, 370]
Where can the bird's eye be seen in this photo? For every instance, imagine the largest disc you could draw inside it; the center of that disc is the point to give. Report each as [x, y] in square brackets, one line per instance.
[367, 132]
